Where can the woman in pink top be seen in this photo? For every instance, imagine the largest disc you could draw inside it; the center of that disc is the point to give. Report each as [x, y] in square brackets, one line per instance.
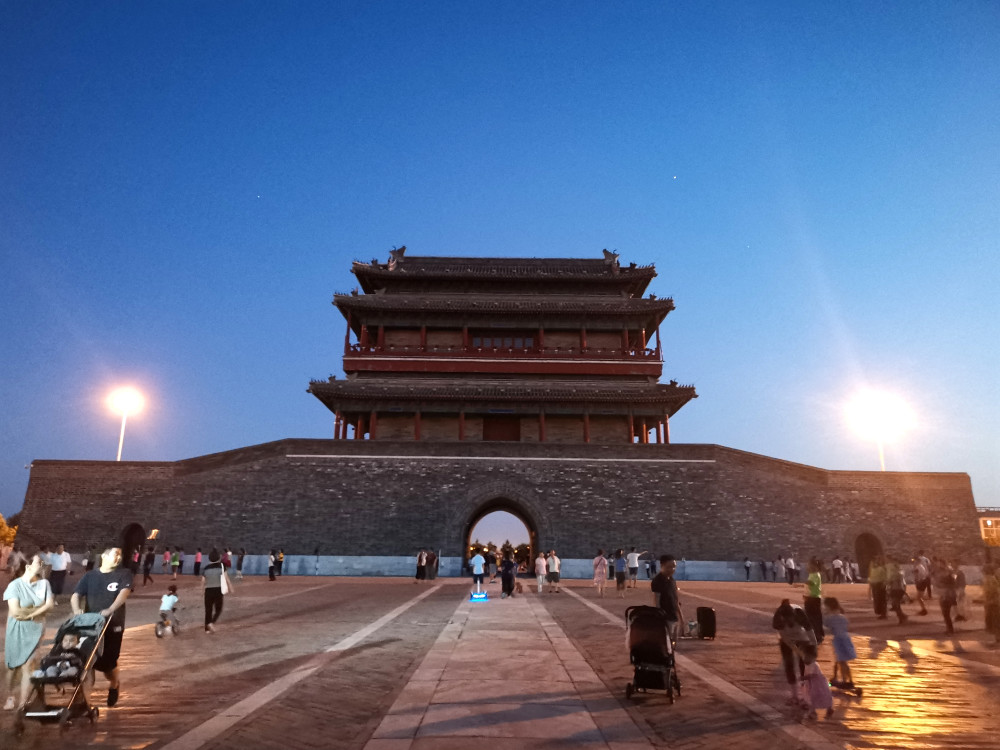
[600, 571]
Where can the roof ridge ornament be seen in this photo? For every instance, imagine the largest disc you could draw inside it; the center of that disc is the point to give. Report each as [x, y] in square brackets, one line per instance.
[396, 257]
[611, 259]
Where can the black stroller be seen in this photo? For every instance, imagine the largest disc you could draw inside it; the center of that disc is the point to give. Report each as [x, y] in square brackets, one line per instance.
[651, 650]
[64, 674]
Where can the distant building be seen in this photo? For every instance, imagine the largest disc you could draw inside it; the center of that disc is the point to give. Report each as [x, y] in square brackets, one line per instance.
[519, 384]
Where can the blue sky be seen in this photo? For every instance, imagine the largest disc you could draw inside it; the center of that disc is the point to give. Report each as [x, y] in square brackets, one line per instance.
[184, 187]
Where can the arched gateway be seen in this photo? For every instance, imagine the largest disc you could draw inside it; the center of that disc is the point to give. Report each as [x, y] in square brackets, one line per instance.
[475, 384]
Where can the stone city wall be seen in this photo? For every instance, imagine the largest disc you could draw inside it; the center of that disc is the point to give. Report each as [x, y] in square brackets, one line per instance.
[367, 500]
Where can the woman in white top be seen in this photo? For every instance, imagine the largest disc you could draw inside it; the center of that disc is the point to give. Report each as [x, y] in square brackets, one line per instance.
[28, 598]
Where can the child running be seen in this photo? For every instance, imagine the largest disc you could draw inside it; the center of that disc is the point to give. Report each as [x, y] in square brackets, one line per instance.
[843, 648]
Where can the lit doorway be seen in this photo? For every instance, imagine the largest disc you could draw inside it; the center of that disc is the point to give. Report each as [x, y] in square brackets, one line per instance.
[500, 527]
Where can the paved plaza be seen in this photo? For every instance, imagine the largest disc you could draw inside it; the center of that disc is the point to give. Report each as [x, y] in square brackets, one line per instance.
[384, 664]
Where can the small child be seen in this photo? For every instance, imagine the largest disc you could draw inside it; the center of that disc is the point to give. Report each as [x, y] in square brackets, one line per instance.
[843, 648]
[817, 685]
[64, 664]
[168, 604]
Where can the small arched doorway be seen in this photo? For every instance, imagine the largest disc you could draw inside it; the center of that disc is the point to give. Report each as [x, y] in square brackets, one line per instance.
[495, 523]
[133, 537]
[866, 548]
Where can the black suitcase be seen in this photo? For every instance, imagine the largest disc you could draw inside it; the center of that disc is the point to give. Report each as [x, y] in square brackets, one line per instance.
[706, 622]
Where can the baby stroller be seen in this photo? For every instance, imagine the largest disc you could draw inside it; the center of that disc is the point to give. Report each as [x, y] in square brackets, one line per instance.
[89, 628]
[651, 651]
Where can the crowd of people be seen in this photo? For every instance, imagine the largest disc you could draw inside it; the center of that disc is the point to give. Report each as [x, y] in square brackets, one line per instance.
[37, 579]
[803, 629]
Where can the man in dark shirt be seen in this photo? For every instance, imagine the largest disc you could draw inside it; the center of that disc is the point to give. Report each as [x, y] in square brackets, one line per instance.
[105, 590]
[664, 589]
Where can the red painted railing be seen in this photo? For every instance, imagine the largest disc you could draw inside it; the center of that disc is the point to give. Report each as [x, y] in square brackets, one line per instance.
[522, 353]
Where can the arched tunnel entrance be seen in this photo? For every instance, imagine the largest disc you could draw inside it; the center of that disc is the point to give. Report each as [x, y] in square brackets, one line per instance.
[866, 548]
[500, 524]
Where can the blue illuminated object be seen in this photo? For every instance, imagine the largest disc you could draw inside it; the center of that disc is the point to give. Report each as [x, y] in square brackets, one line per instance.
[479, 596]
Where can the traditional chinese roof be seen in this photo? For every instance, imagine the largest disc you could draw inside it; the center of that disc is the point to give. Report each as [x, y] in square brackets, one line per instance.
[363, 394]
[425, 272]
[494, 308]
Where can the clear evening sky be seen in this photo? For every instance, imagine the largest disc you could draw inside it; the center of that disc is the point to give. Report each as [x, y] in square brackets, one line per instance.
[183, 187]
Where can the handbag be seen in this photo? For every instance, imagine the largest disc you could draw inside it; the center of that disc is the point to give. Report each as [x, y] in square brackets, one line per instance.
[227, 586]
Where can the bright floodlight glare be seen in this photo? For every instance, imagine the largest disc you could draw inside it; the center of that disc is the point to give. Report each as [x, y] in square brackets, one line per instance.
[126, 401]
[880, 416]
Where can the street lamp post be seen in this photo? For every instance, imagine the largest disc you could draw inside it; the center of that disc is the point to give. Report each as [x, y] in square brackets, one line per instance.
[125, 401]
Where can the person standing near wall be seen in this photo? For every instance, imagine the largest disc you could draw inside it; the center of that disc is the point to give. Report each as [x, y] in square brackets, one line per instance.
[876, 587]
[432, 561]
[211, 579]
[600, 572]
[61, 563]
[961, 615]
[541, 570]
[632, 562]
[790, 570]
[991, 602]
[197, 561]
[813, 599]
[421, 574]
[147, 566]
[552, 573]
[620, 573]
[239, 563]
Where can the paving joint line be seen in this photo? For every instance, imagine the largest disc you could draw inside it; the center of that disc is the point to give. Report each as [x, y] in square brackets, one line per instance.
[759, 708]
[895, 644]
[229, 716]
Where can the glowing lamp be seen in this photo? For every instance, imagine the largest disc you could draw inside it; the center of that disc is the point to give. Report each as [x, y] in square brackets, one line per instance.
[125, 401]
[880, 416]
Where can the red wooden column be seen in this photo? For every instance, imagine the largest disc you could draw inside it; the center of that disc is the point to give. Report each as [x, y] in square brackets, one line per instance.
[642, 338]
[347, 335]
[380, 341]
[465, 338]
[371, 426]
[666, 429]
[586, 427]
[364, 336]
[416, 426]
[645, 433]
[357, 428]
[423, 338]
[336, 425]
[659, 432]
[659, 349]
[541, 426]
[583, 339]
[541, 338]
[631, 426]
[625, 340]
[461, 425]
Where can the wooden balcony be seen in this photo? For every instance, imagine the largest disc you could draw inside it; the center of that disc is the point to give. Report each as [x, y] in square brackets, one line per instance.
[506, 360]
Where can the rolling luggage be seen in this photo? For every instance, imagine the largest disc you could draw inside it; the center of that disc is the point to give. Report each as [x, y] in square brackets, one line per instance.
[706, 622]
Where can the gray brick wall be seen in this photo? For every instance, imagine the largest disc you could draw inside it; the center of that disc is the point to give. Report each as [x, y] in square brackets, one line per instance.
[364, 498]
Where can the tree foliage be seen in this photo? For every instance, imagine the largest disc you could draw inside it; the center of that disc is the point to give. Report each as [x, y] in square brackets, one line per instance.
[7, 533]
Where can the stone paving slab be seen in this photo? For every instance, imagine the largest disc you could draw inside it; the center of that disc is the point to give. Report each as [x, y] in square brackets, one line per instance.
[510, 671]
